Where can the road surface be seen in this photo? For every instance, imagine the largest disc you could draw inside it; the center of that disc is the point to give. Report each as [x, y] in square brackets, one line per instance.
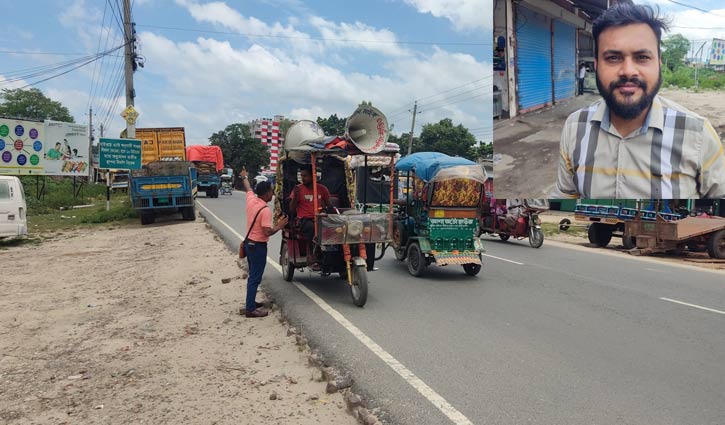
[544, 336]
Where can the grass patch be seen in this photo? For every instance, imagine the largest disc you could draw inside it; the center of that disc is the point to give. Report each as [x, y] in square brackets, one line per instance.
[552, 229]
[59, 193]
[58, 221]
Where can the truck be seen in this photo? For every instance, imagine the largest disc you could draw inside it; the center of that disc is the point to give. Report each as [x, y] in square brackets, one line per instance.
[164, 186]
[209, 163]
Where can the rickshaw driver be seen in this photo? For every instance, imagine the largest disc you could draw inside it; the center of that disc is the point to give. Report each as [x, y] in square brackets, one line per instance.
[302, 206]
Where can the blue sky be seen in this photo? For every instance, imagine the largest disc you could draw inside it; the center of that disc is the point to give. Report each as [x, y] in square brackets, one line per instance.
[233, 61]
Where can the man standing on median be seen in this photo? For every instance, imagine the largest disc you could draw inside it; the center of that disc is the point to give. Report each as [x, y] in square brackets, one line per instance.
[634, 144]
[259, 229]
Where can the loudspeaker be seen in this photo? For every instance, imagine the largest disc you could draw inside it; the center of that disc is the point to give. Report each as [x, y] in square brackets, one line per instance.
[300, 133]
[367, 128]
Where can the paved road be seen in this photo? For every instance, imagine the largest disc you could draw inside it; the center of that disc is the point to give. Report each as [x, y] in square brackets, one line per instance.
[569, 336]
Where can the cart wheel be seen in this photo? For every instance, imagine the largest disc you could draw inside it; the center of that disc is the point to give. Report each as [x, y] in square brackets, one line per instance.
[629, 242]
[147, 217]
[716, 245]
[416, 260]
[472, 269]
[536, 237]
[359, 287]
[504, 237]
[400, 254]
[288, 269]
[564, 224]
[600, 234]
[678, 251]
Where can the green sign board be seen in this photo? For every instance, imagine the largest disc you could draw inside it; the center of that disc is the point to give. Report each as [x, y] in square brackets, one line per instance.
[122, 154]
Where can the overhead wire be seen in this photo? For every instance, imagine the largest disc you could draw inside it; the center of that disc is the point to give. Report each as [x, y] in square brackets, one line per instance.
[98, 49]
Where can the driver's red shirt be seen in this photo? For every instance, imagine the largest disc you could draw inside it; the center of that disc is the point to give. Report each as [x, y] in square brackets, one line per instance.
[305, 209]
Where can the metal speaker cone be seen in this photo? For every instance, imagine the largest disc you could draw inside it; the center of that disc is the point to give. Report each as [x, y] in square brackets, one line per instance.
[367, 128]
[301, 133]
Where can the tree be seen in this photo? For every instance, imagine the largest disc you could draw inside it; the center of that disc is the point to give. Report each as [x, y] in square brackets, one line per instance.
[484, 150]
[32, 104]
[402, 141]
[240, 149]
[674, 50]
[446, 138]
[333, 126]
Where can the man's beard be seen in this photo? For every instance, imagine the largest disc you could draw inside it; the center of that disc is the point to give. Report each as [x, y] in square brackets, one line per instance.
[628, 111]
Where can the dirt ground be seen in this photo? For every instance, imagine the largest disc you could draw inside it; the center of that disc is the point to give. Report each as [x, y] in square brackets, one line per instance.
[526, 148]
[141, 325]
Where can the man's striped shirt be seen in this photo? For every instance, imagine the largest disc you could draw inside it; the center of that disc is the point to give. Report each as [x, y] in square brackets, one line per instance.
[676, 154]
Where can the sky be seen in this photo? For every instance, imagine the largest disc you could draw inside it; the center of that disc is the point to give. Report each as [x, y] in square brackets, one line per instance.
[209, 64]
[698, 26]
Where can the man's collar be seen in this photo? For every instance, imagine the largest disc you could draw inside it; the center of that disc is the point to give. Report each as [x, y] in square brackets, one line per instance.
[655, 116]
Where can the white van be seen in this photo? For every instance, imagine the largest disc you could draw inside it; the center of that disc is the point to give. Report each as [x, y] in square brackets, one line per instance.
[13, 210]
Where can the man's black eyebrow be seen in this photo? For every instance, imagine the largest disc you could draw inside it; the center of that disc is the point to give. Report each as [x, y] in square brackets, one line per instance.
[619, 52]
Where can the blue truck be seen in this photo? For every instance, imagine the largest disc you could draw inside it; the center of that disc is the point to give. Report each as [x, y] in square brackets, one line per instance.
[164, 187]
[209, 180]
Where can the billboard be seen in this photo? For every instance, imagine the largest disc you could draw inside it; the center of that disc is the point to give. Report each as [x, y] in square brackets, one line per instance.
[162, 144]
[66, 149]
[717, 52]
[124, 154]
[22, 147]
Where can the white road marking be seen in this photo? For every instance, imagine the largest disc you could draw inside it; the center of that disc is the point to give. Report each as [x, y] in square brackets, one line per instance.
[693, 305]
[433, 397]
[503, 259]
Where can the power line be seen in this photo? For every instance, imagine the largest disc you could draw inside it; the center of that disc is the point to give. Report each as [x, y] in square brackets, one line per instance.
[13, 52]
[290, 37]
[98, 50]
[113, 11]
[453, 103]
[697, 28]
[692, 7]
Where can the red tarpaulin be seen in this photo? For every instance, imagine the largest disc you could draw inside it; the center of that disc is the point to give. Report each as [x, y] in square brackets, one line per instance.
[206, 154]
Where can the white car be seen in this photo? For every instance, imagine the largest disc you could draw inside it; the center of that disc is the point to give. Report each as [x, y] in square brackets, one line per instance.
[13, 209]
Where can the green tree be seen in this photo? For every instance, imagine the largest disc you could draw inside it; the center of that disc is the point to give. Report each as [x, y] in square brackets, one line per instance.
[32, 104]
[241, 149]
[333, 126]
[484, 150]
[674, 50]
[446, 138]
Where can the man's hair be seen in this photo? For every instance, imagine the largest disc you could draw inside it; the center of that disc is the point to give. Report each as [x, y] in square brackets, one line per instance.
[627, 13]
[306, 167]
[262, 188]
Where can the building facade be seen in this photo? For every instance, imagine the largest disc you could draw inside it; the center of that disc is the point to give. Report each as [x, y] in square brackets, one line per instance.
[268, 133]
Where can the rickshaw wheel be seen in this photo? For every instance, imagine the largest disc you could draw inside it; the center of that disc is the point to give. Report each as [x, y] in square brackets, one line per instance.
[288, 269]
[400, 253]
[536, 237]
[504, 237]
[416, 260]
[472, 269]
[359, 287]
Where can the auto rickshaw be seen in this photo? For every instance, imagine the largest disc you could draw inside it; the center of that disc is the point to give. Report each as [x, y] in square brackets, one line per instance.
[437, 220]
[342, 232]
[517, 218]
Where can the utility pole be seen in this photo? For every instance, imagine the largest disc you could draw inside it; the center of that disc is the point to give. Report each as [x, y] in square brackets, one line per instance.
[130, 54]
[412, 127]
[90, 143]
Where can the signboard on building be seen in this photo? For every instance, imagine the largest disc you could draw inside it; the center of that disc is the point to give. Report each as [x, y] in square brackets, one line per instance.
[162, 144]
[22, 147]
[66, 149]
[124, 154]
[717, 52]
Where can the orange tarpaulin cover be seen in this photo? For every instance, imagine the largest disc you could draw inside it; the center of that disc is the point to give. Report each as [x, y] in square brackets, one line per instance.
[206, 154]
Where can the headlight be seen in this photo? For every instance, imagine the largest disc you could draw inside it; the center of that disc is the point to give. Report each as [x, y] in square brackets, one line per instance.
[354, 228]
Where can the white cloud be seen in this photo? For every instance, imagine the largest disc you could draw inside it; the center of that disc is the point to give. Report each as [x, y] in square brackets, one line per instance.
[463, 14]
[12, 85]
[359, 35]
[694, 24]
[82, 17]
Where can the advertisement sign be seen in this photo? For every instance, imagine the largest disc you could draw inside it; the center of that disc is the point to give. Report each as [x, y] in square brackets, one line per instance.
[124, 154]
[22, 147]
[66, 149]
[717, 52]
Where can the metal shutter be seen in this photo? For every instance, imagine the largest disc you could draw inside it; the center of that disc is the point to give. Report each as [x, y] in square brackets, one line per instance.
[564, 60]
[533, 62]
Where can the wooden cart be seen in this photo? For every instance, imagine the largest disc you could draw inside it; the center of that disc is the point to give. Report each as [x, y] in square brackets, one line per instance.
[695, 233]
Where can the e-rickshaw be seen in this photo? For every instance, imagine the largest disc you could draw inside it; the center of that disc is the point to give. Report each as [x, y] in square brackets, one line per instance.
[342, 232]
[437, 221]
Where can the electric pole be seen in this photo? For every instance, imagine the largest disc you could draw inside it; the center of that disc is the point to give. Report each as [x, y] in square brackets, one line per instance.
[90, 142]
[412, 127]
[130, 50]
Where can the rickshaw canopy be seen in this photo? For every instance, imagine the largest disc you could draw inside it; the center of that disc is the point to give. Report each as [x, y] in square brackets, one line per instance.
[432, 166]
